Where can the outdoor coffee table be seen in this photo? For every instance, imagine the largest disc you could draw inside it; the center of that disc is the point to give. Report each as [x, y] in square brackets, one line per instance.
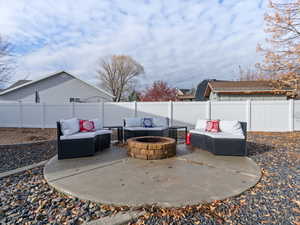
[173, 131]
[119, 131]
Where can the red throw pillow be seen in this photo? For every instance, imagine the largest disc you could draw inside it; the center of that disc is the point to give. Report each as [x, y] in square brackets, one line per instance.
[86, 126]
[213, 126]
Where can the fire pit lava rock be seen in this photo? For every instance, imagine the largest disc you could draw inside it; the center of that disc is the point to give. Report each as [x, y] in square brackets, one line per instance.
[151, 147]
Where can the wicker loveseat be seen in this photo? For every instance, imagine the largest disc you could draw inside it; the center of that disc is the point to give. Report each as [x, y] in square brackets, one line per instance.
[230, 141]
[133, 127]
[81, 144]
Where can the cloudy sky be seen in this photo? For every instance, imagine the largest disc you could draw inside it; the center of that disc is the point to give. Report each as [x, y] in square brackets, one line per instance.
[180, 41]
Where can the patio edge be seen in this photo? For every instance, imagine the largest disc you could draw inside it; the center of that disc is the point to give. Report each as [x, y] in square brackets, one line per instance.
[21, 169]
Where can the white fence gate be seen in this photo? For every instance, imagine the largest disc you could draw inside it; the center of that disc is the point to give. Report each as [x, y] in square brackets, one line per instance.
[260, 115]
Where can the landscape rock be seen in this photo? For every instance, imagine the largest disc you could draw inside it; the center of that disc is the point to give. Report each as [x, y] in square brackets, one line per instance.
[26, 198]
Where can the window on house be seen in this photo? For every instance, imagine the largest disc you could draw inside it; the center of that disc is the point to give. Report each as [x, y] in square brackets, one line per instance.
[74, 99]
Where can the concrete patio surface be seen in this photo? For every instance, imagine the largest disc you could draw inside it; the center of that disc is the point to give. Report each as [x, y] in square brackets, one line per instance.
[192, 177]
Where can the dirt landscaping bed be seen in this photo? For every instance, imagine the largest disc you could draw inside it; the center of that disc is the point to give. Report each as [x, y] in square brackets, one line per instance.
[25, 135]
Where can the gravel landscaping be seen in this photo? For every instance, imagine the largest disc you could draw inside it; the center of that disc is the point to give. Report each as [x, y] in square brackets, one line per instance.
[26, 198]
[20, 155]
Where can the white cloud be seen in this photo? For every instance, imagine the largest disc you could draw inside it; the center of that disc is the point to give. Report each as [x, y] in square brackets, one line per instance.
[179, 41]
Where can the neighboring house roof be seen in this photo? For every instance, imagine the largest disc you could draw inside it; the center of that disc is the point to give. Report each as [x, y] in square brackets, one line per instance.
[244, 87]
[185, 91]
[186, 97]
[185, 94]
[18, 83]
[24, 84]
[201, 88]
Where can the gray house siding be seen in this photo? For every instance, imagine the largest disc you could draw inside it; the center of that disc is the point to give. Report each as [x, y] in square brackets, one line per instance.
[57, 89]
[226, 97]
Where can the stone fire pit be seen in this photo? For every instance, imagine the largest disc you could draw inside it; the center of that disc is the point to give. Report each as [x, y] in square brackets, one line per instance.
[151, 147]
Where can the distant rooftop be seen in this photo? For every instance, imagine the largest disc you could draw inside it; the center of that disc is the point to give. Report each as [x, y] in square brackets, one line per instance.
[246, 87]
[243, 86]
[17, 83]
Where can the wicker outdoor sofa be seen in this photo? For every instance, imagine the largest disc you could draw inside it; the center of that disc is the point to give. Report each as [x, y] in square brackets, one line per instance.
[231, 141]
[81, 144]
[133, 127]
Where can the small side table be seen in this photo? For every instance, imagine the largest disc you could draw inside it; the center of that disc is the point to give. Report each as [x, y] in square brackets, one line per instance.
[173, 131]
[119, 131]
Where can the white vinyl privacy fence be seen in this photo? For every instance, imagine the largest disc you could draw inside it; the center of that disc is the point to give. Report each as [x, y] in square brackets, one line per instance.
[260, 115]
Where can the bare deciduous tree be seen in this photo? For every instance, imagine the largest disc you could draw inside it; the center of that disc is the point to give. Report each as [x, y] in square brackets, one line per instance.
[117, 74]
[250, 74]
[5, 62]
[254, 73]
[281, 57]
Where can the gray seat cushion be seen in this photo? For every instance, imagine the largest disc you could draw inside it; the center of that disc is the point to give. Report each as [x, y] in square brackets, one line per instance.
[145, 128]
[83, 135]
[133, 122]
[223, 135]
[160, 122]
[80, 135]
[99, 132]
[199, 131]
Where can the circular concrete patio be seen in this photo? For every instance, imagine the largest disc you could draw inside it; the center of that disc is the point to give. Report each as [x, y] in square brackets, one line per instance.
[192, 177]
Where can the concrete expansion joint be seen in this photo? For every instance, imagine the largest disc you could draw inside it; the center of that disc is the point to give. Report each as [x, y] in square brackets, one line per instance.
[211, 166]
[89, 170]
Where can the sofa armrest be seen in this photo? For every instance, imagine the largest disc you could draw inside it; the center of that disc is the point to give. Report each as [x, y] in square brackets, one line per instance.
[244, 128]
[58, 130]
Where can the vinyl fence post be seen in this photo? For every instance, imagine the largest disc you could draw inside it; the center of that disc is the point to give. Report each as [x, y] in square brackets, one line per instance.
[73, 109]
[43, 115]
[208, 110]
[21, 114]
[248, 114]
[102, 112]
[170, 113]
[135, 109]
[291, 114]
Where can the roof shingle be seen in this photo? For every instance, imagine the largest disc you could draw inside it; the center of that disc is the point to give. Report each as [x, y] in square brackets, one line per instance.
[243, 86]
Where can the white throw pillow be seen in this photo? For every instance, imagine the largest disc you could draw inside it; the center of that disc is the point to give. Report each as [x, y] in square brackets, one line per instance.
[70, 126]
[233, 127]
[160, 122]
[133, 122]
[97, 124]
[201, 124]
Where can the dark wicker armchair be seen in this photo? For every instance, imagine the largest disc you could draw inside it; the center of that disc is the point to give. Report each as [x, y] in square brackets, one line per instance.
[221, 145]
[81, 144]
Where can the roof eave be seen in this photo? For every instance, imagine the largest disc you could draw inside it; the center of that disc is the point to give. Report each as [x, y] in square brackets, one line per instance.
[256, 92]
[32, 82]
[208, 90]
[53, 74]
